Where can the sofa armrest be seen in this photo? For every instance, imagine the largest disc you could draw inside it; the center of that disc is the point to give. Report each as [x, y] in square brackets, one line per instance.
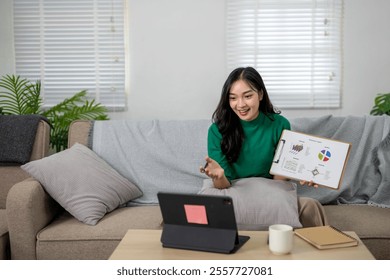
[29, 209]
[42, 141]
[79, 132]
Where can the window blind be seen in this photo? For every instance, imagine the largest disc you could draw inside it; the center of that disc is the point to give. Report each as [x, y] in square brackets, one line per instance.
[296, 45]
[70, 46]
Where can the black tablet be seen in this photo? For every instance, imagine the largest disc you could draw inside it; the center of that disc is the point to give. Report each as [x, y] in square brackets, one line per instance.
[199, 222]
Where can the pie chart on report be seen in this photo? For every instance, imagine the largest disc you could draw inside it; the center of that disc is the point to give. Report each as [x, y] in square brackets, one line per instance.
[324, 155]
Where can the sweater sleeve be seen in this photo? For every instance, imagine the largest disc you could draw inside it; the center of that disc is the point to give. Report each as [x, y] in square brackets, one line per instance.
[283, 123]
[214, 139]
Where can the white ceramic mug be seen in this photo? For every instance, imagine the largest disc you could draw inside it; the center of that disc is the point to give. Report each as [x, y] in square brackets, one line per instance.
[280, 239]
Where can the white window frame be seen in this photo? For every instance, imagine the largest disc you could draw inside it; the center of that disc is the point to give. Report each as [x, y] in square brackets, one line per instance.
[73, 45]
[296, 45]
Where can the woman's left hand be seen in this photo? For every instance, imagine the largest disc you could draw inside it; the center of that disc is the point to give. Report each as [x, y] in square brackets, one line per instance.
[309, 184]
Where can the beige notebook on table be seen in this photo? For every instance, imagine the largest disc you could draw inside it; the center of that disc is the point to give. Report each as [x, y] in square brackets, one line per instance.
[326, 237]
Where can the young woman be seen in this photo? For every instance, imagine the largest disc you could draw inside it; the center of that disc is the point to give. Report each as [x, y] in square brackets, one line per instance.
[243, 137]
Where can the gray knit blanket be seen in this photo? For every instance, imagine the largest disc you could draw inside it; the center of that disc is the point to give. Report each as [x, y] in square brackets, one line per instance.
[166, 155]
[367, 175]
[155, 155]
[17, 136]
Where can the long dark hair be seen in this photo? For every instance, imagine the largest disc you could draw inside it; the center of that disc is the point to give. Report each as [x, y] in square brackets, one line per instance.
[228, 122]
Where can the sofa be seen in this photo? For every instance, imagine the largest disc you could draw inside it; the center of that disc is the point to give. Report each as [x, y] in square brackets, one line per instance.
[169, 153]
[11, 174]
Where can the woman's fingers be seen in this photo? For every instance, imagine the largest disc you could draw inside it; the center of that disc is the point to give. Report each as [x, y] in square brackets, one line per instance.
[310, 184]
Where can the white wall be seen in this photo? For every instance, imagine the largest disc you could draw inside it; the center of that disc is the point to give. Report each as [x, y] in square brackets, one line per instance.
[177, 60]
[6, 38]
[177, 57]
[366, 54]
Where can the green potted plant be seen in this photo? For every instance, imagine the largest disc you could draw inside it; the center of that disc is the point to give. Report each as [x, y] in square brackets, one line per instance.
[381, 105]
[19, 96]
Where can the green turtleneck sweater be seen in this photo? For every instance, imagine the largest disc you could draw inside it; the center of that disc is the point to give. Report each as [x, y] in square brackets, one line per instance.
[261, 137]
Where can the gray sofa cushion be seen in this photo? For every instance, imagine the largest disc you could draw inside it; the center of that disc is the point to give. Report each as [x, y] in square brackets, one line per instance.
[260, 202]
[83, 183]
[370, 223]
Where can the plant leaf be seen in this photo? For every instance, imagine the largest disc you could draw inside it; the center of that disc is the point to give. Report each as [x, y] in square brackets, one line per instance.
[18, 96]
[63, 114]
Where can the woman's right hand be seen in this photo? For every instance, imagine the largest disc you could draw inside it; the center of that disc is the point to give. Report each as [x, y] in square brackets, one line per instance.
[213, 170]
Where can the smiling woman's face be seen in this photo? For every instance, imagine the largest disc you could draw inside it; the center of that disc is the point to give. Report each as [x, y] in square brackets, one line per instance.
[244, 100]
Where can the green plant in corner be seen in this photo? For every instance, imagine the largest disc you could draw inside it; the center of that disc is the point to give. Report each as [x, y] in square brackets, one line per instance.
[381, 105]
[18, 96]
[61, 115]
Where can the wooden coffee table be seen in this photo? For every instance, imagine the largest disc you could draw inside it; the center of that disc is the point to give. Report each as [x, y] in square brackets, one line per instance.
[146, 245]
